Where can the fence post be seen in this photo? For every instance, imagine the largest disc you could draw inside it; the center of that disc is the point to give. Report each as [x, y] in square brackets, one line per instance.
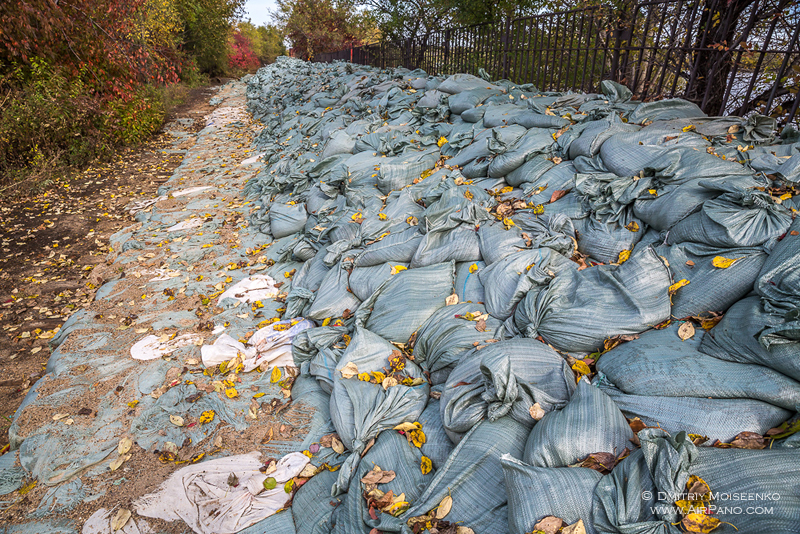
[445, 67]
[506, 40]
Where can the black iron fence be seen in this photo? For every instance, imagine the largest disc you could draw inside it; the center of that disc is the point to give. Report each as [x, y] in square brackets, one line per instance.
[731, 57]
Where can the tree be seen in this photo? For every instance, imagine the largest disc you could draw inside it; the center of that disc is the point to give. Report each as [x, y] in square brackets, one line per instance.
[207, 26]
[319, 26]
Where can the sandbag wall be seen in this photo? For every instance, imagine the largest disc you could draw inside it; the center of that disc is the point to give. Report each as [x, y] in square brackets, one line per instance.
[532, 305]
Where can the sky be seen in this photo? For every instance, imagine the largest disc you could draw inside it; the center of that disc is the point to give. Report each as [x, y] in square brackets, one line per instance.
[258, 11]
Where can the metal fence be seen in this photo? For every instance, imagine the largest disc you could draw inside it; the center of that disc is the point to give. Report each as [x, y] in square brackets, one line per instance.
[728, 60]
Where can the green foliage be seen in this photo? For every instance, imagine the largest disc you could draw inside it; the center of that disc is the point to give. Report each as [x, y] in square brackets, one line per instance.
[207, 24]
[318, 26]
[266, 40]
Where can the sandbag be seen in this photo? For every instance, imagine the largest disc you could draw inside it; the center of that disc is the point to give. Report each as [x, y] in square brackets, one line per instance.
[538, 492]
[736, 219]
[504, 378]
[333, 297]
[468, 283]
[588, 424]
[406, 300]
[286, 219]
[779, 279]
[753, 331]
[360, 410]
[448, 333]
[364, 281]
[578, 310]
[659, 363]
[711, 288]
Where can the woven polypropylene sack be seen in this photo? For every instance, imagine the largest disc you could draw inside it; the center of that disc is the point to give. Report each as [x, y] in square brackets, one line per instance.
[405, 301]
[448, 333]
[360, 410]
[752, 331]
[659, 363]
[779, 279]
[286, 219]
[391, 452]
[507, 377]
[717, 419]
[578, 310]
[469, 287]
[333, 296]
[538, 492]
[710, 288]
[363, 281]
[589, 424]
[737, 219]
[473, 477]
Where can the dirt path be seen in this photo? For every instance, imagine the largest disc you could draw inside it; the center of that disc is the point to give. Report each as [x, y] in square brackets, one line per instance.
[52, 243]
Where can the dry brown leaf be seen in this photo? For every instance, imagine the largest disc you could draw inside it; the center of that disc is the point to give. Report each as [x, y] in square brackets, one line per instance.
[444, 507]
[549, 525]
[116, 464]
[378, 476]
[350, 370]
[749, 440]
[536, 411]
[176, 420]
[451, 300]
[686, 331]
[337, 445]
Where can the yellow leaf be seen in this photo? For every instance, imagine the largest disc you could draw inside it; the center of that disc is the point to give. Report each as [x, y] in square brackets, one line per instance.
[700, 523]
[426, 465]
[275, 376]
[623, 256]
[721, 262]
[473, 268]
[308, 453]
[442, 141]
[231, 393]
[382, 216]
[538, 209]
[259, 395]
[677, 285]
[786, 196]
[507, 189]
[444, 507]
[364, 377]
[689, 128]
[120, 519]
[581, 368]
[508, 223]
[132, 404]
[468, 194]
[633, 226]
[207, 416]
[397, 268]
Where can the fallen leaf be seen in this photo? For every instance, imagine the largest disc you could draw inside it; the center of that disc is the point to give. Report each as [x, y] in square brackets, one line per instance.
[124, 445]
[275, 376]
[677, 285]
[536, 411]
[749, 440]
[426, 465]
[721, 262]
[451, 300]
[444, 507]
[690, 263]
[270, 483]
[575, 528]
[581, 368]
[116, 464]
[549, 525]
[558, 194]
[378, 476]
[633, 226]
[120, 519]
[207, 416]
[350, 370]
[700, 523]
[337, 445]
[686, 331]
[176, 420]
